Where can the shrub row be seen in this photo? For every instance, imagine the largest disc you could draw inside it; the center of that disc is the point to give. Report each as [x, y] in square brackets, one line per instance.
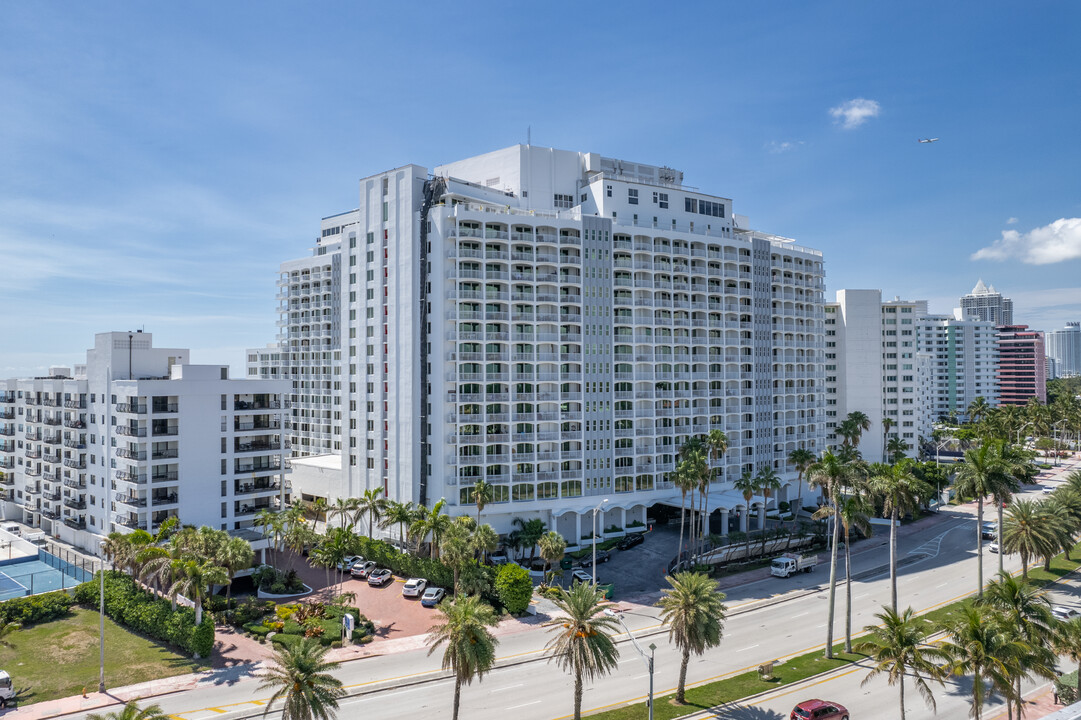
[35, 608]
[404, 564]
[139, 610]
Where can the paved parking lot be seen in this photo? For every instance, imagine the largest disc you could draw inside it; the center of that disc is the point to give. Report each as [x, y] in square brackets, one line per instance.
[641, 569]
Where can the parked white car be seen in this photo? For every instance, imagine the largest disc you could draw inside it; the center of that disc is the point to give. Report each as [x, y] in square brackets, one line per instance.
[414, 587]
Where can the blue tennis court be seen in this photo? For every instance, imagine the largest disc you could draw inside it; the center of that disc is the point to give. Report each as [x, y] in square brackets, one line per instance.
[29, 576]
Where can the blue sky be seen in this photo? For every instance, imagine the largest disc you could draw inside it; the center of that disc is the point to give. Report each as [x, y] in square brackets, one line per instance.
[158, 160]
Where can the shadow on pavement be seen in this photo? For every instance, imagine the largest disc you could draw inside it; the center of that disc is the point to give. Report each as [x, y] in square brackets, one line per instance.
[738, 711]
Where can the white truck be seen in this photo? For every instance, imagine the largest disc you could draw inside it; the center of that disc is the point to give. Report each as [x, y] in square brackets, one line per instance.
[7, 693]
[791, 563]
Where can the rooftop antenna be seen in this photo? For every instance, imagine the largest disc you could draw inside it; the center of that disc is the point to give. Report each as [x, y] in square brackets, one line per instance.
[529, 135]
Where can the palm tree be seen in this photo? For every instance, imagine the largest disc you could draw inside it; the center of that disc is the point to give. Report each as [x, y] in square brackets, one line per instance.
[194, 580]
[985, 650]
[582, 643]
[1026, 611]
[861, 422]
[747, 485]
[977, 409]
[980, 473]
[900, 491]
[1067, 641]
[8, 629]
[1028, 532]
[301, 676]
[470, 646]
[455, 548]
[715, 445]
[529, 534]
[830, 473]
[343, 509]
[768, 483]
[484, 540]
[273, 525]
[482, 494]
[898, 647]
[887, 425]
[852, 512]
[849, 433]
[896, 449]
[235, 555]
[552, 546]
[132, 711]
[694, 611]
[400, 514]
[431, 522]
[371, 504]
[801, 459]
[683, 479]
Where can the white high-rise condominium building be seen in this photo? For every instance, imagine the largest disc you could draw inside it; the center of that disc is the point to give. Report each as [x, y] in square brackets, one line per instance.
[558, 323]
[986, 303]
[1064, 347]
[135, 436]
[962, 359]
[871, 367]
[308, 349]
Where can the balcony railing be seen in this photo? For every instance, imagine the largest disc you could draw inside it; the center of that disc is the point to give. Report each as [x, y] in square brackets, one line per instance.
[130, 431]
[73, 463]
[137, 455]
[130, 500]
[75, 404]
[159, 408]
[130, 477]
[74, 503]
[257, 405]
[132, 408]
[74, 424]
[73, 483]
[75, 524]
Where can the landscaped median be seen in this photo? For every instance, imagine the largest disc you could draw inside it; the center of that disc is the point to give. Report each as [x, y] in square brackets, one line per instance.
[747, 682]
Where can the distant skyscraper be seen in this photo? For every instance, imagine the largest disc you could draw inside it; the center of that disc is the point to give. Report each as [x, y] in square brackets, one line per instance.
[1022, 372]
[1064, 347]
[986, 303]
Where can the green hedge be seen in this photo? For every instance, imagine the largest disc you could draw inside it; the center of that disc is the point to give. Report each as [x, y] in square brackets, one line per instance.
[36, 608]
[514, 586]
[404, 564]
[134, 608]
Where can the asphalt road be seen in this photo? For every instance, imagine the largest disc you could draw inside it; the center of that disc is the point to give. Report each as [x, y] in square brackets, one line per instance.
[770, 620]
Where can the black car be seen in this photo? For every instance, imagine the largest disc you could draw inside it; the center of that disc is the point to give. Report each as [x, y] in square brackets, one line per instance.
[603, 556]
[630, 540]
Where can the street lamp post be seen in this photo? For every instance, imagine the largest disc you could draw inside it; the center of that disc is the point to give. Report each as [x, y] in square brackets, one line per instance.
[1056, 440]
[642, 653]
[594, 539]
[1018, 442]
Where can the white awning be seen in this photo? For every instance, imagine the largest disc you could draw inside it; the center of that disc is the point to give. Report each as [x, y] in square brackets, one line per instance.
[715, 501]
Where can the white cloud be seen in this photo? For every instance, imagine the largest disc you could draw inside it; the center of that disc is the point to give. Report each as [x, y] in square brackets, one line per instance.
[853, 113]
[777, 147]
[1011, 221]
[1059, 241]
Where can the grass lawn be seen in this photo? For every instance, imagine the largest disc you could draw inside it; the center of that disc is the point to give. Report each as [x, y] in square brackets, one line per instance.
[734, 688]
[59, 658]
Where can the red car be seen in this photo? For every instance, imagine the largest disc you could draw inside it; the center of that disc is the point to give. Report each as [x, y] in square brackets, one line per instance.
[819, 710]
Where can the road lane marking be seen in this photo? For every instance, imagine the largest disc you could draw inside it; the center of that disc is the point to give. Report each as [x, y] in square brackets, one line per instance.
[800, 615]
[509, 687]
[535, 702]
[749, 647]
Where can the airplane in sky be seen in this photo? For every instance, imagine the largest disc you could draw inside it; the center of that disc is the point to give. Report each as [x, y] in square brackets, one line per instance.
[928, 140]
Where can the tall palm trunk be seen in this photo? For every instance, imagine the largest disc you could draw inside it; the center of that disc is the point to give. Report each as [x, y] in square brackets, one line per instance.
[799, 502]
[848, 596]
[578, 695]
[833, 579]
[902, 698]
[681, 689]
[893, 559]
[682, 518]
[979, 547]
[457, 696]
[998, 532]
